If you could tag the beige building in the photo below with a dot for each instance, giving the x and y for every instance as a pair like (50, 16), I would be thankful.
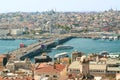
(50, 71)
(113, 66)
(104, 66)
(16, 32)
(16, 65)
(97, 67)
(76, 54)
(81, 65)
(4, 32)
(118, 76)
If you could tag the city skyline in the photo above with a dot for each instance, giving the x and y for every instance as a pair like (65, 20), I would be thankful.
(61, 5)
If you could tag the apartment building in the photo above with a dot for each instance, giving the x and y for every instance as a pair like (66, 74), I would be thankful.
(106, 66)
(50, 71)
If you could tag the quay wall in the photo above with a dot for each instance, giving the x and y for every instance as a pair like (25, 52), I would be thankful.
(48, 44)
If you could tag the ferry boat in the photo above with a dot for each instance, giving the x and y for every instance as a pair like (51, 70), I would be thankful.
(104, 53)
(63, 47)
(60, 55)
(43, 58)
(95, 38)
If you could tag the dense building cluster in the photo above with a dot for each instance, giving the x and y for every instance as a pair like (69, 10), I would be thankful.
(77, 67)
(51, 20)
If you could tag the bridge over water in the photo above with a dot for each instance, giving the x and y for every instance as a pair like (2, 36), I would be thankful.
(35, 49)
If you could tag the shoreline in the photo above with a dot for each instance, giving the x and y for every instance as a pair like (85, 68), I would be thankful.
(36, 45)
(18, 46)
(37, 40)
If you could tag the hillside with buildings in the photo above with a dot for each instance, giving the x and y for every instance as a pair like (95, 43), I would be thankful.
(51, 21)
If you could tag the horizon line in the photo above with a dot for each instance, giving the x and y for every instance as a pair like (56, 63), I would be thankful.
(59, 11)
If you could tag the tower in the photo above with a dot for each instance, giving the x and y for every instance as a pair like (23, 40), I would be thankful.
(84, 65)
(76, 54)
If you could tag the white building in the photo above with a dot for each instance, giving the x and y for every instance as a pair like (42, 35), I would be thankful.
(4, 32)
(16, 32)
(113, 55)
(81, 65)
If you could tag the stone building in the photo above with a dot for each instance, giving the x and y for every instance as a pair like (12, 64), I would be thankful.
(50, 71)
(16, 65)
(76, 54)
(80, 66)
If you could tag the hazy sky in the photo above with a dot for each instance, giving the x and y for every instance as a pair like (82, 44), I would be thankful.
(59, 5)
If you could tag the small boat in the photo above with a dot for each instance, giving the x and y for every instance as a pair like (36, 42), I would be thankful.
(95, 38)
(63, 47)
(61, 55)
(111, 38)
(22, 45)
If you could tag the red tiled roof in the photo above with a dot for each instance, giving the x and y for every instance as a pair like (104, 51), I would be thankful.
(118, 74)
(0, 78)
(1, 68)
(1, 59)
(42, 65)
(47, 68)
(59, 67)
(2, 56)
(5, 78)
(63, 78)
(65, 59)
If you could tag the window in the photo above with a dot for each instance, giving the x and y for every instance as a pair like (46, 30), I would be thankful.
(47, 75)
(55, 76)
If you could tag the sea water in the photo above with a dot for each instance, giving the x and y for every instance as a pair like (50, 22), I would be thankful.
(10, 45)
(84, 45)
(88, 46)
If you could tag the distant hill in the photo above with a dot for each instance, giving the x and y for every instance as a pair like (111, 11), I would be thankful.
(107, 20)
